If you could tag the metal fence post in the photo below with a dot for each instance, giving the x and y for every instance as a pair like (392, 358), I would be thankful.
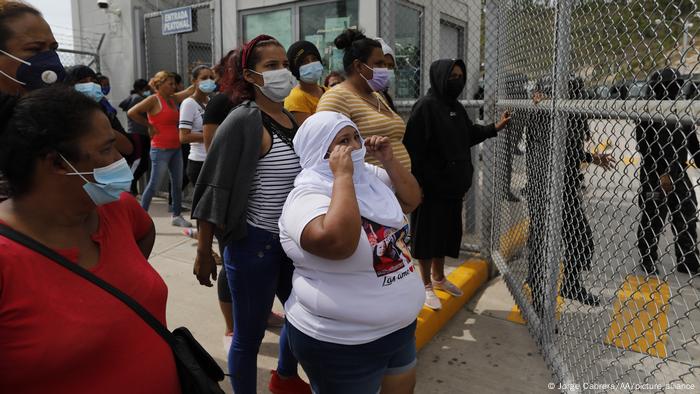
(387, 21)
(178, 54)
(557, 152)
(490, 85)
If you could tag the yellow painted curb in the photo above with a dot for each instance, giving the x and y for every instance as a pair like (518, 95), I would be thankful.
(514, 239)
(640, 322)
(602, 147)
(516, 316)
(469, 277)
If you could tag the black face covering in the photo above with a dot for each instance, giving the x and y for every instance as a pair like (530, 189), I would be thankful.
(454, 87)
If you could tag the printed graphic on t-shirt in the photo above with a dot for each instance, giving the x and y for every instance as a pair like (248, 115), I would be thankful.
(389, 250)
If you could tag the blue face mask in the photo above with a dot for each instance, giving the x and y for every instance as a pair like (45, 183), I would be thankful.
(311, 72)
(106, 90)
(146, 93)
(111, 181)
(38, 71)
(90, 89)
(207, 86)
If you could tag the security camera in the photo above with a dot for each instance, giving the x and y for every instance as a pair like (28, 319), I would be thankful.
(103, 4)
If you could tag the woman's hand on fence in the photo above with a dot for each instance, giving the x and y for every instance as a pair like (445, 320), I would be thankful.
(503, 122)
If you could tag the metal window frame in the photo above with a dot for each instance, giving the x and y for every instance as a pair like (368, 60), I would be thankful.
(461, 26)
(295, 9)
(421, 40)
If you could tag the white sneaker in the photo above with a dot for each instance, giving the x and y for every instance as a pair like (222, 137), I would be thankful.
(179, 221)
(431, 299)
(448, 287)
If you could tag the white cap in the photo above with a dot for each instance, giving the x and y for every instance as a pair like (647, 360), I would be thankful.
(386, 48)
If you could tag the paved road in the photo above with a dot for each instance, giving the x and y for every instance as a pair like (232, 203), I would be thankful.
(610, 204)
(479, 351)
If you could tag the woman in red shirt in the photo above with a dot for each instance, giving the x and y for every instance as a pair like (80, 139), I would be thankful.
(59, 333)
(163, 117)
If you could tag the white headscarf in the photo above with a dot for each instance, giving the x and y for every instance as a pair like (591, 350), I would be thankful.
(376, 200)
(386, 48)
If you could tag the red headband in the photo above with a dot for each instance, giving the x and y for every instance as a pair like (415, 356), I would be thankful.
(248, 48)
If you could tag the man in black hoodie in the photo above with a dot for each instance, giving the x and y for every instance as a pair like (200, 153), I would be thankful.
(439, 135)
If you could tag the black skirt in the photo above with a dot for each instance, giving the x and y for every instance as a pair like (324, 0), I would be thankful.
(436, 229)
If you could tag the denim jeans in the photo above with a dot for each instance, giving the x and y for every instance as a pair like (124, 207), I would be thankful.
(256, 268)
(162, 162)
(349, 369)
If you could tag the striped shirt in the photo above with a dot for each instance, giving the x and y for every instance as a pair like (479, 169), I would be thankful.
(368, 119)
(272, 182)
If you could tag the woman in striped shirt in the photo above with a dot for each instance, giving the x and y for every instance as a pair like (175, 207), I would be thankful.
(357, 97)
(248, 172)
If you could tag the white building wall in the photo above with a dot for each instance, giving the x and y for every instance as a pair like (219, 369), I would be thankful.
(117, 60)
(121, 52)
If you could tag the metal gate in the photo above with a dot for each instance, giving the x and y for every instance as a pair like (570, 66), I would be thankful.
(609, 292)
(189, 49)
(587, 202)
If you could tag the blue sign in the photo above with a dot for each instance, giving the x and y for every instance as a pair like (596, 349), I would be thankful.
(177, 20)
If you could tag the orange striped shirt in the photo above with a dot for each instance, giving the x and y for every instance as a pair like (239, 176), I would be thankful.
(368, 119)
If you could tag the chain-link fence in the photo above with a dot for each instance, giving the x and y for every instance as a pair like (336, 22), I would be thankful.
(71, 57)
(586, 202)
(83, 49)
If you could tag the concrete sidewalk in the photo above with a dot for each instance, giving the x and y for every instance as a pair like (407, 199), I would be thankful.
(479, 351)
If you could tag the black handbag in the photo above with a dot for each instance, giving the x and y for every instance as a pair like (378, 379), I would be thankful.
(197, 370)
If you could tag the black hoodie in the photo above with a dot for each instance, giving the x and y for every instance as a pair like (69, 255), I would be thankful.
(439, 135)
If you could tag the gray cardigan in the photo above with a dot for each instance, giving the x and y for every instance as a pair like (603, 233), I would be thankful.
(221, 193)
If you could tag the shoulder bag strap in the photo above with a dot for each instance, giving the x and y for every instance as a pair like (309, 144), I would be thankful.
(47, 252)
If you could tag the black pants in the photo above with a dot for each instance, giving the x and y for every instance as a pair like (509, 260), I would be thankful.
(536, 158)
(656, 206)
(145, 162)
(577, 239)
(513, 137)
(193, 169)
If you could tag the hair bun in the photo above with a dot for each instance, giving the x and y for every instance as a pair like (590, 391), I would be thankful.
(346, 38)
(7, 108)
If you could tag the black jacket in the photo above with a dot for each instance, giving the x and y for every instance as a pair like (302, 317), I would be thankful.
(439, 135)
(664, 148)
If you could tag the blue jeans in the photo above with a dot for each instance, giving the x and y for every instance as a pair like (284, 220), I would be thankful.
(162, 162)
(256, 268)
(349, 369)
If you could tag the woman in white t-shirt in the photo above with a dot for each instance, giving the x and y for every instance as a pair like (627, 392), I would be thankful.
(191, 111)
(351, 315)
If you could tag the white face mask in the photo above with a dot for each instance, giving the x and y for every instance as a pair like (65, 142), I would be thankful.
(277, 84)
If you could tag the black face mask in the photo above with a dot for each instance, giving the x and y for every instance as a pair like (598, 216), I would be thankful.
(454, 87)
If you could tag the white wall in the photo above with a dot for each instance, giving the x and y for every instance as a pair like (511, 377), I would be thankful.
(120, 58)
(117, 52)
